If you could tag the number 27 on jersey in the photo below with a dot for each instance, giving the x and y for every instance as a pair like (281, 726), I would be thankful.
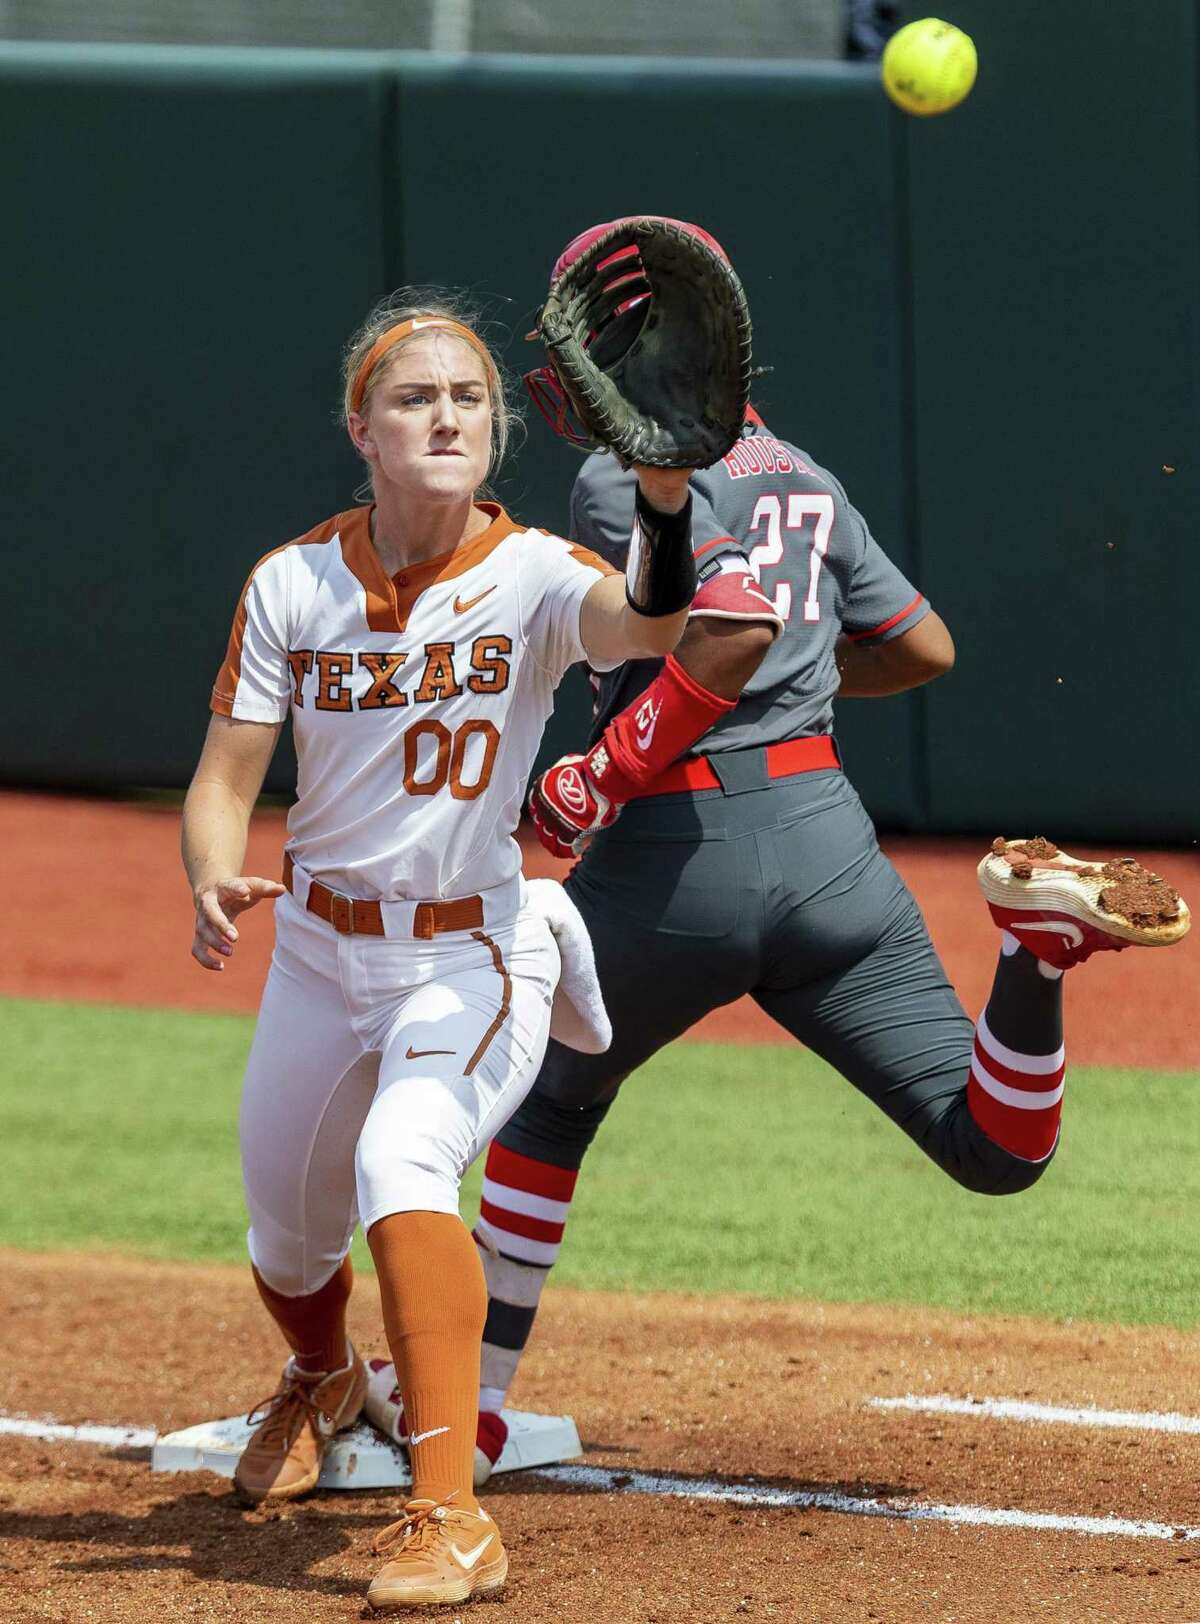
(801, 508)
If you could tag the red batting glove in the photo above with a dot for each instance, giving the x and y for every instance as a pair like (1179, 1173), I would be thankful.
(566, 807)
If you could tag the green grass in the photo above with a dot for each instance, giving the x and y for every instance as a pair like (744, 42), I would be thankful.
(722, 1169)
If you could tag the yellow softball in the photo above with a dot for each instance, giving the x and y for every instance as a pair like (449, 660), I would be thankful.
(928, 66)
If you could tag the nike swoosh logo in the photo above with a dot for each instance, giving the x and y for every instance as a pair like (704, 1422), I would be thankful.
(467, 1559)
(419, 1054)
(460, 608)
(646, 739)
(1056, 927)
(420, 1437)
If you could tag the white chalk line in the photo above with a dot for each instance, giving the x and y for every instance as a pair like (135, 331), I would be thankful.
(115, 1437)
(900, 1510)
(754, 1495)
(1014, 1409)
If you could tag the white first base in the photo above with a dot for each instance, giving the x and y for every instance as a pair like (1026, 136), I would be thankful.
(361, 1457)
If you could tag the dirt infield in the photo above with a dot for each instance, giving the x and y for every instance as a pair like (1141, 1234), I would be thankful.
(719, 1392)
(98, 910)
(717, 1387)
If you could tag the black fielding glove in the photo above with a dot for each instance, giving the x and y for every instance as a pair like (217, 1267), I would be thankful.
(648, 332)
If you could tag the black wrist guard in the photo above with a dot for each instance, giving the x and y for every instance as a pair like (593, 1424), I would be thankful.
(660, 574)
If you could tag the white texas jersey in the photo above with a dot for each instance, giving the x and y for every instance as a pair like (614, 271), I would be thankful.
(417, 701)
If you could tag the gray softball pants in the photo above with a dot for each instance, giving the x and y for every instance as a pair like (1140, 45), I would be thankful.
(776, 889)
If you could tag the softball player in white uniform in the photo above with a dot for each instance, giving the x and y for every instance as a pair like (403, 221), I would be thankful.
(416, 645)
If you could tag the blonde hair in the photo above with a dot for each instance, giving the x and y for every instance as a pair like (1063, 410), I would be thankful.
(405, 305)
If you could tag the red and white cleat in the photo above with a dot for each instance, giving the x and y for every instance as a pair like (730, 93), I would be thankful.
(1063, 909)
(384, 1409)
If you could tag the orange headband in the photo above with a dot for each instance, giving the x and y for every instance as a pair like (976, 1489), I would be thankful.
(404, 330)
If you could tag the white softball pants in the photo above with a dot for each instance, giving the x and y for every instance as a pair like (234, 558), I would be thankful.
(381, 1067)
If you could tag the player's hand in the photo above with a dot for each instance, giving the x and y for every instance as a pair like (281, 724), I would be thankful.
(666, 489)
(566, 807)
(217, 906)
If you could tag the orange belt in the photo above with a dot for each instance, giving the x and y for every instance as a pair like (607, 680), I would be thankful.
(351, 917)
(783, 761)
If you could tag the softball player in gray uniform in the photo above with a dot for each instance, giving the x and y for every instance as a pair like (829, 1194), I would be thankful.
(747, 865)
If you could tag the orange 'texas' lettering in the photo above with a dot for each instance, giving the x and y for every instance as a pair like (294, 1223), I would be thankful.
(301, 662)
(437, 680)
(332, 671)
(490, 673)
(383, 692)
(490, 667)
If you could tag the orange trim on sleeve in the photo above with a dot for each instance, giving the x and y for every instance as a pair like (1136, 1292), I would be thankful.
(878, 631)
(390, 601)
(593, 561)
(225, 687)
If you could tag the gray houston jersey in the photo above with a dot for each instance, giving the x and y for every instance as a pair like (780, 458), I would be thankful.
(810, 549)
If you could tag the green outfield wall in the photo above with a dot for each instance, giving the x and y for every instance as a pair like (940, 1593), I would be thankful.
(1054, 238)
(984, 323)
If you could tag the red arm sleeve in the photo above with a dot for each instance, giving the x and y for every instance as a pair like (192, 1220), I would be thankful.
(647, 736)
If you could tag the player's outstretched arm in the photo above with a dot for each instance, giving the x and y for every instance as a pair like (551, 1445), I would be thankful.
(918, 656)
(216, 817)
(643, 614)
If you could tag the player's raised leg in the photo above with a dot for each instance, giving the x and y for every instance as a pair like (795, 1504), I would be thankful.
(1063, 909)
(887, 1018)
(1054, 911)
(984, 1102)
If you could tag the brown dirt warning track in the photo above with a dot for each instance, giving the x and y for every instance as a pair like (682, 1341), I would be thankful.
(97, 909)
(716, 1395)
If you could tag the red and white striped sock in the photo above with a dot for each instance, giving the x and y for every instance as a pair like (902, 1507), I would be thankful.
(525, 1204)
(1016, 1098)
(521, 1221)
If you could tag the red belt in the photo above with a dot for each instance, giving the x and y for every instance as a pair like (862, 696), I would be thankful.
(783, 761)
(350, 917)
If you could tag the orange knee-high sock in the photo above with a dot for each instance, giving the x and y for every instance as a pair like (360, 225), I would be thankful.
(434, 1305)
(314, 1326)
